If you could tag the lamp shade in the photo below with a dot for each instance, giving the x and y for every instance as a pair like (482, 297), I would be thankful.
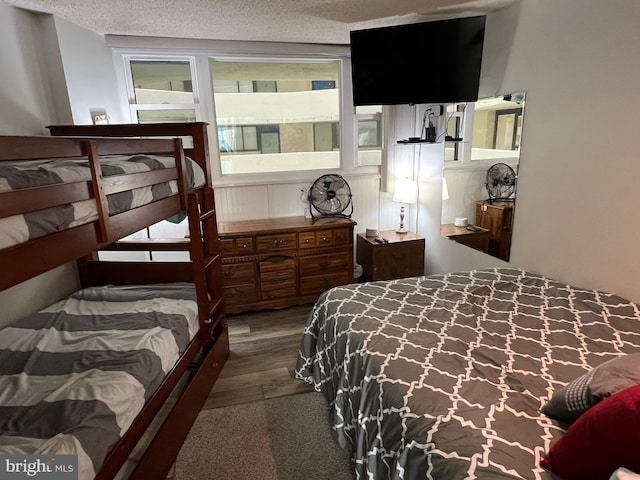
(406, 191)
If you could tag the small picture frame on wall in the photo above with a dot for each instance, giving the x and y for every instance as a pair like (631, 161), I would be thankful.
(99, 116)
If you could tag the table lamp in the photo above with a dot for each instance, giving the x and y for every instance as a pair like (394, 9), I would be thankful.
(406, 192)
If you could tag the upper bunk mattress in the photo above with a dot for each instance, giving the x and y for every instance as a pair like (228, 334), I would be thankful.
(74, 376)
(17, 229)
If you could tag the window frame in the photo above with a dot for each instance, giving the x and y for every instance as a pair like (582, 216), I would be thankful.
(204, 104)
(135, 107)
(463, 149)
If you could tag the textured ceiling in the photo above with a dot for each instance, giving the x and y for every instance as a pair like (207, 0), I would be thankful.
(300, 21)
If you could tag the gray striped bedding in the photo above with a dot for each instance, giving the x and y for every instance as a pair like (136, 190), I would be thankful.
(17, 229)
(74, 376)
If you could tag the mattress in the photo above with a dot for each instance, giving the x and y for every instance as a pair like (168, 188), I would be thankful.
(74, 376)
(443, 377)
(20, 228)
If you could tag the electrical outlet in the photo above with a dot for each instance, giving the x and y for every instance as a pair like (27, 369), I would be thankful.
(434, 111)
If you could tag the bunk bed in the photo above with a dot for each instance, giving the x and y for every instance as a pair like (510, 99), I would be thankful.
(497, 373)
(162, 341)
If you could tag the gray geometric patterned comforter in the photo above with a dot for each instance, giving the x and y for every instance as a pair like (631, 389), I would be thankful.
(23, 227)
(74, 376)
(442, 377)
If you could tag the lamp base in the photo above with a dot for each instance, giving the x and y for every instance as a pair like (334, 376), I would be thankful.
(402, 230)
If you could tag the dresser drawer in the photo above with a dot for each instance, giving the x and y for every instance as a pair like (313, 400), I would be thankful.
(324, 238)
(278, 289)
(240, 294)
(236, 246)
(320, 238)
(307, 239)
(342, 236)
(321, 264)
(277, 268)
(318, 284)
(271, 243)
(238, 273)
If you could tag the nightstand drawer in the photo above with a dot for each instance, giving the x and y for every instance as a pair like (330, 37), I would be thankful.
(270, 243)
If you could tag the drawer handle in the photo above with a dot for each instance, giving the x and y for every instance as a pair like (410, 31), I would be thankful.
(306, 240)
(324, 239)
(277, 243)
(244, 245)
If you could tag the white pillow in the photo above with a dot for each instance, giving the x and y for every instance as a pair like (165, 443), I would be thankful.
(624, 474)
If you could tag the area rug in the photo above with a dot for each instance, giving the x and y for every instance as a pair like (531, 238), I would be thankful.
(285, 438)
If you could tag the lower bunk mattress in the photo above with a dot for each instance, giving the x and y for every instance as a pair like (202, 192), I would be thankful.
(445, 376)
(74, 376)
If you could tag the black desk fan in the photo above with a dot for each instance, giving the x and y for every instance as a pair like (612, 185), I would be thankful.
(501, 183)
(330, 196)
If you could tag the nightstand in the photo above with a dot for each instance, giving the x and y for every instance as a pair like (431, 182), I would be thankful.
(497, 217)
(402, 256)
(478, 240)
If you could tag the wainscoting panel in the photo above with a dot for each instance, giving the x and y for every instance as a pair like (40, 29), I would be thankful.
(286, 200)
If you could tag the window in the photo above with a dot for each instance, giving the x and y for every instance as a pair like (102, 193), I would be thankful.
(161, 90)
(277, 115)
(369, 135)
(491, 128)
(497, 127)
(274, 117)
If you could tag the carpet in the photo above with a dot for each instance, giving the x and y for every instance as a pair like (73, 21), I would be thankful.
(285, 438)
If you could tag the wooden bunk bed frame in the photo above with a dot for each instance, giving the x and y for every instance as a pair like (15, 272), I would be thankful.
(200, 365)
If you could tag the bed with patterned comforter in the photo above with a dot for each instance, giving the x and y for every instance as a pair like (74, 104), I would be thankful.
(74, 376)
(20, 228)
(443, 377)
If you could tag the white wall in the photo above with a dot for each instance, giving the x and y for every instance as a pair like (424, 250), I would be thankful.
(578, 196)
(89, 72)
(26, 106)
(24, 92)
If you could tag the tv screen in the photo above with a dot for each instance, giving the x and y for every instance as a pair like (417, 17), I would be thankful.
(431, 62)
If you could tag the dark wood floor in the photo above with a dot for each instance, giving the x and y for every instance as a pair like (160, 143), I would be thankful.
(264, 347)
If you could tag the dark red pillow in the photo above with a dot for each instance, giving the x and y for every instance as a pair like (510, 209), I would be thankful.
(605, 437)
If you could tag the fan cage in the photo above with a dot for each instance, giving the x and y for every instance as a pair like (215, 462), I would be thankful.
(501, 183)
(328, 201)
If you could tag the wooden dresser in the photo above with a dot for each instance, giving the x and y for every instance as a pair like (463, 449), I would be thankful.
(278, 262)
(497, 217)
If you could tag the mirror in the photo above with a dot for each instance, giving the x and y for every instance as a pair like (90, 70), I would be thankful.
(482, 155)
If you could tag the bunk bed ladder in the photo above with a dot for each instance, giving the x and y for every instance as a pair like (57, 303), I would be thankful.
(205, 254)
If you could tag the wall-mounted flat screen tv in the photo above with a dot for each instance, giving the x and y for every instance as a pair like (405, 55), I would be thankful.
(430, 62)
